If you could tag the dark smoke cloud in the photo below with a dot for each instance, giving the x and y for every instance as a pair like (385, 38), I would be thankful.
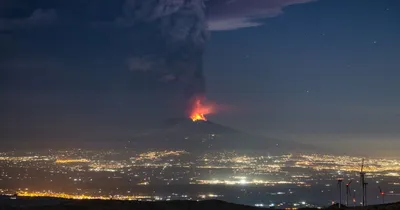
(183, 27)
(171, 33)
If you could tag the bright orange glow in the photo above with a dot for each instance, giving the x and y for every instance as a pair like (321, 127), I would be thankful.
(199, 111)
(198, 116)
(79, 197)
(72, 161)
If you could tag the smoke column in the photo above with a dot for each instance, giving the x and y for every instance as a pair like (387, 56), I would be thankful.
(183, 26)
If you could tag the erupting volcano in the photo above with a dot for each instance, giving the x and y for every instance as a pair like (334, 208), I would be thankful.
(199, 110)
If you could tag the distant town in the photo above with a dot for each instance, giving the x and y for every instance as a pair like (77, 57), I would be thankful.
(258, 179)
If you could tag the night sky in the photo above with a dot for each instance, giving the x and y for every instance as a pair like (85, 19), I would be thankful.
(323, 72)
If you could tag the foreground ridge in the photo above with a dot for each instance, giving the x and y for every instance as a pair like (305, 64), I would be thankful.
(38, 203)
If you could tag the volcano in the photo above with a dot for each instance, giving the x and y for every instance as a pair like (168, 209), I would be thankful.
(189, 135)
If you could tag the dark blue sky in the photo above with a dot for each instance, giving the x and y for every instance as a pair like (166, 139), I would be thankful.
(325, 71)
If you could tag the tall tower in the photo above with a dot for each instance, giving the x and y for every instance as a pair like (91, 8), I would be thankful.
(348, 192)
(340, 181)
(363, 184)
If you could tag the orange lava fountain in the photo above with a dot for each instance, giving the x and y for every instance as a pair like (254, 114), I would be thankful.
(199, 111)
(197, 117)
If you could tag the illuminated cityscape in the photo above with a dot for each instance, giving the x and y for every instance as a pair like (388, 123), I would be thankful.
(253, 179)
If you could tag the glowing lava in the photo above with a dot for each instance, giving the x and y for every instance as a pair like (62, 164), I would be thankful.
(197, 117)
(199, 110)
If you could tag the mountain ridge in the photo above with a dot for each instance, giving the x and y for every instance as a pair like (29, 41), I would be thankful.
(40, 203)
(183, 133)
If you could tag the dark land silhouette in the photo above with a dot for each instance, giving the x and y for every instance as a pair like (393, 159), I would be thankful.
(63, 204)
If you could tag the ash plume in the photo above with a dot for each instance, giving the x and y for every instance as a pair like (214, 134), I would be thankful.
(183, 28)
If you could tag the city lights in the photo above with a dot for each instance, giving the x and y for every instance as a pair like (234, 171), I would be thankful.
(102, 174)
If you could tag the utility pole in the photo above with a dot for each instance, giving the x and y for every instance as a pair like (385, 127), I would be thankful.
(382, 193)
(348, 192)
(340, 180)
(363, 184)
(365, 193)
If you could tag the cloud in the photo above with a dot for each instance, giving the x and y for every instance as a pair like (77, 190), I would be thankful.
(221, 14)
(156, 66)
(231, 24)
(236, 14)
(39, 17)
(42, 17)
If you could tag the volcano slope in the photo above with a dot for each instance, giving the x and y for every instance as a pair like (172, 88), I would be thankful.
(185, 134)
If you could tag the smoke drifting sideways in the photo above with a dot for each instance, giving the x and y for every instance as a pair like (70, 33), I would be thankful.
(183, 29)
